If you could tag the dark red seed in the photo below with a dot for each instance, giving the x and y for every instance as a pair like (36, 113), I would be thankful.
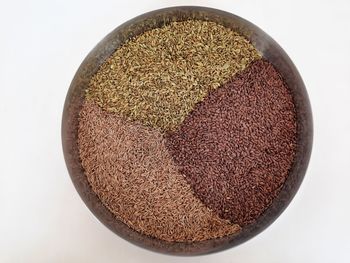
(237, 146)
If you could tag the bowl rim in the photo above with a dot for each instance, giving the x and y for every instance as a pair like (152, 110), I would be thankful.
(264, 44)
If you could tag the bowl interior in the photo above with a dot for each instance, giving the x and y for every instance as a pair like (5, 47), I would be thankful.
(268, 48)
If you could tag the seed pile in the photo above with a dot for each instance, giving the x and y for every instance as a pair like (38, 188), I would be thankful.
(158, 77)
(131, 171)
(186, 133)
(237, 146)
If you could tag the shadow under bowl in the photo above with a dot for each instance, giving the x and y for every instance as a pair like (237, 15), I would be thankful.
(270, 51)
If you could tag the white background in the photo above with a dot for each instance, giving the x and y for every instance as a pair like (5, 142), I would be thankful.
(42, 218)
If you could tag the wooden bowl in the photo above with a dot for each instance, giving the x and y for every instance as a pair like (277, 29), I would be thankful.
(136, 26)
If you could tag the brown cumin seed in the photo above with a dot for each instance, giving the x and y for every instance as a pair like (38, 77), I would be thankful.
(159, 76)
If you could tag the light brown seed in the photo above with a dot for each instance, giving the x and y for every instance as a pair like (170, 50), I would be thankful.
(131, 171)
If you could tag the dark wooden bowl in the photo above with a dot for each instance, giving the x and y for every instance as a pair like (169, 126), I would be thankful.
(269, 49)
